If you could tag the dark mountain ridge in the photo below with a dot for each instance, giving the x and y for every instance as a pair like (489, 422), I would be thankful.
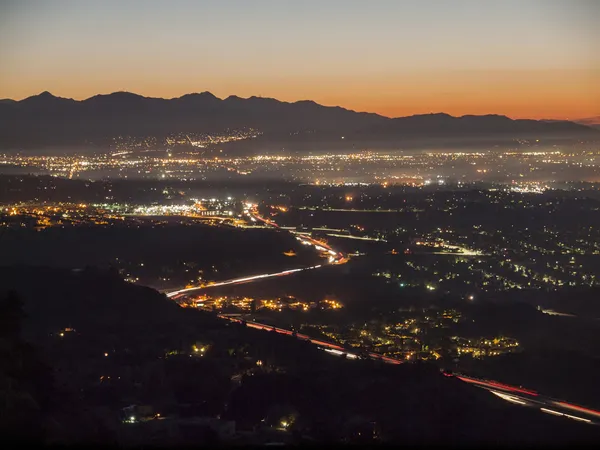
(50, 120)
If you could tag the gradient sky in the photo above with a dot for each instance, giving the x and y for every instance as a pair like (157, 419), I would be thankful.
(526, 58)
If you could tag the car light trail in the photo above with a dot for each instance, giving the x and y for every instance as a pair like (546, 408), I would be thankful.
(509, 398)
(578, 408)
(390, 360)
(557, 413)
(242, 280)
(550, 411)
(581, 419)
(334, 349)
(495, 384)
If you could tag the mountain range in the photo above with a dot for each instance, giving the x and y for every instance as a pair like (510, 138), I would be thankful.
(45, 119)
(590, 121)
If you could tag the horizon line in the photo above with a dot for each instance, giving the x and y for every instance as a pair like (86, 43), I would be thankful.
(290, 102)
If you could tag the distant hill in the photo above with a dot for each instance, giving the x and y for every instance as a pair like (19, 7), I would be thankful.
(590, 121)
(45, 119)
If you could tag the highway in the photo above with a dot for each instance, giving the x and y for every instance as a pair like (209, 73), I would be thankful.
(513, 394)
(329, 347)
(334, 258)
(240, 280)
(532, 399)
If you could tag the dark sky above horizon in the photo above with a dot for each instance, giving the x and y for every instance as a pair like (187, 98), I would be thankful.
(527, 58)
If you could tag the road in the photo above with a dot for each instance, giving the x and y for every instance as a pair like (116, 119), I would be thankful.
(334, 258)
(329, 347)
(242, 280)
(513, 394)
(516, 395)
(532, 399)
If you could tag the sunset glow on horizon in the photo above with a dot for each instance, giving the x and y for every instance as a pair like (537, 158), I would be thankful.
(527, 59)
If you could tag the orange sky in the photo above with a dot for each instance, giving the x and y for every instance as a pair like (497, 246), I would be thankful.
(520, 58)
(564, 94)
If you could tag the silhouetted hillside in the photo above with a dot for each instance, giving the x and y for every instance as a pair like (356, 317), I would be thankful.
(109, 344)
(49, 120)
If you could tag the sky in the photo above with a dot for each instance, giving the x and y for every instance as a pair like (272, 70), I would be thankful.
(526, 58)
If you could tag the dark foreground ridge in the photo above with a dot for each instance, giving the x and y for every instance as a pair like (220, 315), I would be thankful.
(89, 358)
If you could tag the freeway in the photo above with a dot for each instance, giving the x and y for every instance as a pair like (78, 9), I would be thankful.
(334, 258)
(513, 394)
(239, 280)
(353, 210)
(329, 347)
(361, 238)
(533, 399)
